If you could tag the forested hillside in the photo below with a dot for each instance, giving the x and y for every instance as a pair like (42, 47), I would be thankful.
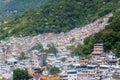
(59, 16)
(11, 8)
(110, 36)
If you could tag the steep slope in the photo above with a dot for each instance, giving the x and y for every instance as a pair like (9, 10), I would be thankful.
(60, 16)
(110, 36)
(11, 8)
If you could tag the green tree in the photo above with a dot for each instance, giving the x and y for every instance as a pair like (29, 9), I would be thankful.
(72, 40)
(54, 70)
(63, 59)
(19, 74)
(38, 47)
(52, 49)
(119, 62)
(72, 48)
(22, 56)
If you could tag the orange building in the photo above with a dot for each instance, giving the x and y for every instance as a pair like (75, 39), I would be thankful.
(49, 77)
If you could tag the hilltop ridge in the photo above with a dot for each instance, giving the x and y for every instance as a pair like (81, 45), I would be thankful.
(59, 16)
(12, 8)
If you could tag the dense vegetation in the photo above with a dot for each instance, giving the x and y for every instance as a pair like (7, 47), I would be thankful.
(54, 71)
(19, 74)
(11, 8)
(110, 36)
(59, 16)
